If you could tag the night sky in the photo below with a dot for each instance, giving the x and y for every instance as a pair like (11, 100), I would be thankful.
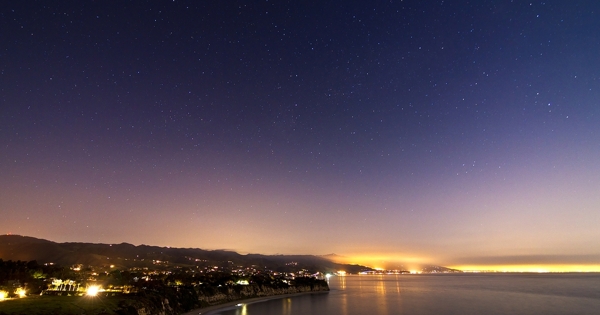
(460, 133)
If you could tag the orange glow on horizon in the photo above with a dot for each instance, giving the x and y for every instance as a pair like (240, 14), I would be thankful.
(528, 268)
(385, 262)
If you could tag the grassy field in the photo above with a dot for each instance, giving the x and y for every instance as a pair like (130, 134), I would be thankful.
(61, 305)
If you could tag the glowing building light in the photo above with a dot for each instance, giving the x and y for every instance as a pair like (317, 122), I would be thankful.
(3, 295)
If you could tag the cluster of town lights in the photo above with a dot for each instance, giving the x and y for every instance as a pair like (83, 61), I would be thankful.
(92, 290)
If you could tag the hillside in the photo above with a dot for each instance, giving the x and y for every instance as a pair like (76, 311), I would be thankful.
(25, 248)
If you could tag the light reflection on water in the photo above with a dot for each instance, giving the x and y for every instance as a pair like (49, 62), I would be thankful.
(381, 296)
(287, 306)
(494, 294)
(341, 282)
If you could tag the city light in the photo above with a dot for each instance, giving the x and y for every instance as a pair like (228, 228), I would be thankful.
(3, 295)
(92, 290)
(20, 292)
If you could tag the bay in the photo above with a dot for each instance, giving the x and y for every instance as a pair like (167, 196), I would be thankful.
(463, 294)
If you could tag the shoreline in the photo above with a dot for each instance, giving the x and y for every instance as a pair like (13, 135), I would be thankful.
(209, 309)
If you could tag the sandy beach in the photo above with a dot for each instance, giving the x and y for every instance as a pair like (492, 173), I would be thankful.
(233, 304)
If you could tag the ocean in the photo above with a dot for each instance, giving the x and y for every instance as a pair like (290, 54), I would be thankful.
(428, 294)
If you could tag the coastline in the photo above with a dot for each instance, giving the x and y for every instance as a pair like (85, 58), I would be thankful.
(209, 309)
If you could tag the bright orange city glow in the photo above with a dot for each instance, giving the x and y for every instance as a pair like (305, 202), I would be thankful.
(3, 295)
(383, 261)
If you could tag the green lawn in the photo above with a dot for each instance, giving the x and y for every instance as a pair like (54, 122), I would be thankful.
(61, 305)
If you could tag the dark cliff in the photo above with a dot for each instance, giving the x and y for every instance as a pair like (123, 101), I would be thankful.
(174, 301)
(252, 291)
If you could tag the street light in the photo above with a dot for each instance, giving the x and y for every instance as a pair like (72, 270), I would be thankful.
(92, 290)
(20, 292)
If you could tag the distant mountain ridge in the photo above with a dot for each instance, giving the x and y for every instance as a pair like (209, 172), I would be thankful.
(124, 255)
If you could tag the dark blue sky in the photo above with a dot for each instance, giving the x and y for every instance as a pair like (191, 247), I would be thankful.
(436, 131)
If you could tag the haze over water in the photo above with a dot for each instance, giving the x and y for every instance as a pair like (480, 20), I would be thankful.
(464, 294)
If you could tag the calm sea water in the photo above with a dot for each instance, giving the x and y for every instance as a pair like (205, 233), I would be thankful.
(463, 294)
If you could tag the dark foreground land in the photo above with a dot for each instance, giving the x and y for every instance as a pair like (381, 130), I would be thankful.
(160, 281)
(64, 305)
(160, 299)
(42, 305)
